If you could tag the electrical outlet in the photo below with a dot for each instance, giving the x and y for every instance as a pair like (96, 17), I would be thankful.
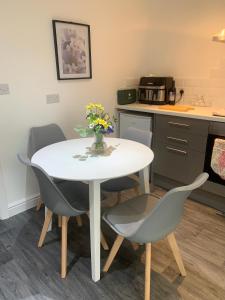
(4, 89)
(52, 98)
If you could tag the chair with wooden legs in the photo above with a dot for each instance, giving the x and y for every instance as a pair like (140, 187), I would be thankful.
(41, 137)
(144, 221)
(65, 199)
(125, 183)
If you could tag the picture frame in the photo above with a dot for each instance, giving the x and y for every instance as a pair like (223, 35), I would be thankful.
(72, 50)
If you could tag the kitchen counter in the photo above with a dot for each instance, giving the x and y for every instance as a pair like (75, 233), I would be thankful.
(180, 154)
(203, 113)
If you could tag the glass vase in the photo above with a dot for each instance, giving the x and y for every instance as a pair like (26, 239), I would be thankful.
(99, 145)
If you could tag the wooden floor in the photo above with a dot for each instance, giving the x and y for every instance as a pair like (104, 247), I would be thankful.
(27, 272)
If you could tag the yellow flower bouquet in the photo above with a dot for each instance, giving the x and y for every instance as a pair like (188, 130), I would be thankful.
(99, 123)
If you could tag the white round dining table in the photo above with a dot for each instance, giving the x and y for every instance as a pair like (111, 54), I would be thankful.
(74, 160)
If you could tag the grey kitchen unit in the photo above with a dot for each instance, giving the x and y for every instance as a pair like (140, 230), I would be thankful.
(180, 145)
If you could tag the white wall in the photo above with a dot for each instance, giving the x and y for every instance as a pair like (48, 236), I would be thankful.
(118, 35)
(129, 38)
(180, 45)
(3, 197)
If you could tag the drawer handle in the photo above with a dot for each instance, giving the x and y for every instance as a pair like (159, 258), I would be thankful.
(177, 140)
(176, 150)
(179, 124)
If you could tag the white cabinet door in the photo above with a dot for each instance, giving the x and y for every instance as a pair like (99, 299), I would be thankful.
(137, 121)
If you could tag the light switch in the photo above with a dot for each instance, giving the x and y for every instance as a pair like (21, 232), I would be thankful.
(4, 89)
(52, 98)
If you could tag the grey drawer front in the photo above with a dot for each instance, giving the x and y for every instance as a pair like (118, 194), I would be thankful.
(182, 132)
(187, 142)
(182, 125)
(177, 163)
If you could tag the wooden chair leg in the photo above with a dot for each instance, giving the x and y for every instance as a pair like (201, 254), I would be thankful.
(59, 221)
(103, 242)
(148, 272)
(113, 252)
(47, 221)
(64, 247)
(79, 221)
(136, 190)
(119, 197)
(39, 203)
(176, 252)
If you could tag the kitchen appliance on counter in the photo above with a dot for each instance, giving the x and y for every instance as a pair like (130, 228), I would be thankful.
(157, 90)
(126, 96)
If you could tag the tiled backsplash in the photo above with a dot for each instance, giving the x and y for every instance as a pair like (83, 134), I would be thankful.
(197, 91)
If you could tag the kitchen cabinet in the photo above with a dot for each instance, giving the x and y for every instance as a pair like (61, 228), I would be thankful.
(179, 145)
(180, 148)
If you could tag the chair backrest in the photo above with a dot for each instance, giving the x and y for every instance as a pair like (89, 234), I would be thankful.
(43, 136)
(50, 194)
(165, 216)
(138, 135)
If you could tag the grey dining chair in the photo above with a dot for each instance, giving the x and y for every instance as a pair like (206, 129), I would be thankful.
(40, 137)
(125, 183)
(43, 136)
(66, 199)
(142, 220)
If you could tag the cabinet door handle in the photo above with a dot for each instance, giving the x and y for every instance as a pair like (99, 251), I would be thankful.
(179, 124)
(176, 150)
(177, 140)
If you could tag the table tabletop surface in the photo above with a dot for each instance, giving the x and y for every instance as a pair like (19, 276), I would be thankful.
(73, 160)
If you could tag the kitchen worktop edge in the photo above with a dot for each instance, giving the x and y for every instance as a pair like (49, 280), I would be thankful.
(203, 113)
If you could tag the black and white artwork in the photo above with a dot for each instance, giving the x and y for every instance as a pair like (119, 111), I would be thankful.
(72, 50)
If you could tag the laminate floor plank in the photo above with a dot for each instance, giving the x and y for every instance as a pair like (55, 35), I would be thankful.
(27, 272)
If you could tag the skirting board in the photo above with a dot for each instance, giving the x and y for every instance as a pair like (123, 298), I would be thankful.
(22, 205)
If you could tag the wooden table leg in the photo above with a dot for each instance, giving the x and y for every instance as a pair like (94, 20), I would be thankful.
(144, 180)
(94, 202)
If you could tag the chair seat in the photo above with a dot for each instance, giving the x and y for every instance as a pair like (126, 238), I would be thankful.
(76, 193)
(119, 184)
(128, 216)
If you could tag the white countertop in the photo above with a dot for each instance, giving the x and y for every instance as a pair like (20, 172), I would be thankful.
(204, 113)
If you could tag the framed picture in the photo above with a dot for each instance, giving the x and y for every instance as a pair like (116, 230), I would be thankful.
(72, 50)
